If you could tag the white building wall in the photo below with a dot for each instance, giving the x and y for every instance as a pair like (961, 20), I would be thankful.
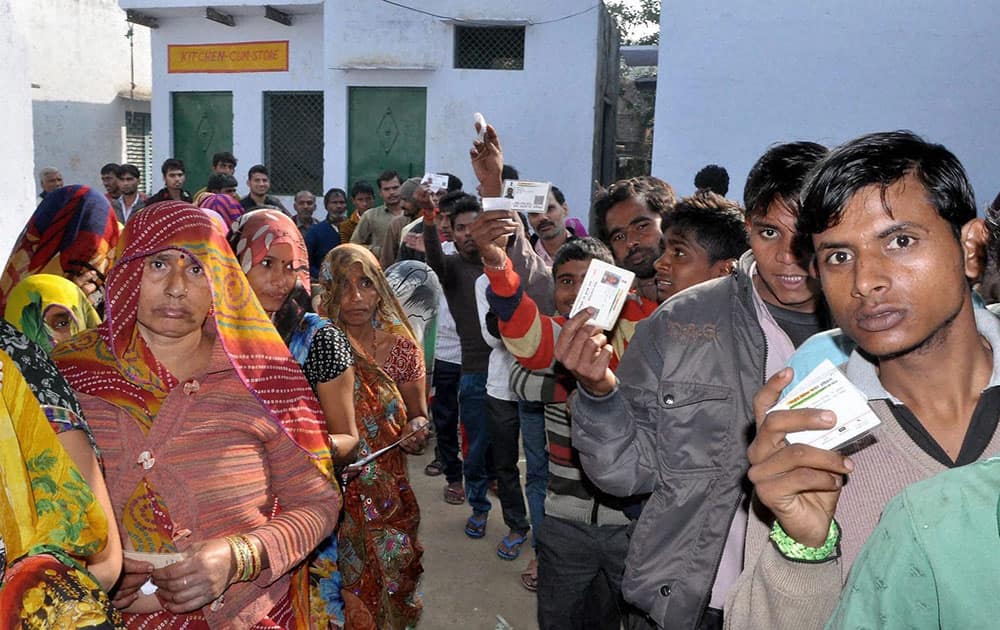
(544, 113)
(16, 188)
(736, 78)
(80, 62)
(305, 52)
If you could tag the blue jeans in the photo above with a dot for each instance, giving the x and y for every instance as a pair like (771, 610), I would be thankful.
(536, 458)
(472, 414)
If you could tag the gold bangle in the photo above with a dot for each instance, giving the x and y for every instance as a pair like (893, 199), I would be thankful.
(256, 562)
(333, 446)
(234, 548)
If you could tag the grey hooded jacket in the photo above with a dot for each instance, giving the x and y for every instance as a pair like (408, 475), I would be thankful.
(678, 425)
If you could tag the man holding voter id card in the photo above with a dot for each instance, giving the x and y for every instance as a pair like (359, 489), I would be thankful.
(673, 419)
(892, 221)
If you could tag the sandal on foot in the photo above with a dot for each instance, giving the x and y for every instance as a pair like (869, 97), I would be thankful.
(529, 577)
(454, 493)
(510, 545)
(433, 469)
(475, 527)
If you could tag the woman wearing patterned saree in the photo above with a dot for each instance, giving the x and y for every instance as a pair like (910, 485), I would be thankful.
(58, 549)
(272, 253)
(214, 447)
(379, 552)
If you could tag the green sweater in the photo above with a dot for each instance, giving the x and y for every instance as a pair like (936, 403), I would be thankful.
(932, 560)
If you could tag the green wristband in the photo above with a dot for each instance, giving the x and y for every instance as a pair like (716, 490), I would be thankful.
(796, 551)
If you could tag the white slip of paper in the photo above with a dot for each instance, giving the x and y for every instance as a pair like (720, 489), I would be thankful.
(826, 387)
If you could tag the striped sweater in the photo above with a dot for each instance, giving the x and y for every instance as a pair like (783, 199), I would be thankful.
(218, 463)
(530, 336)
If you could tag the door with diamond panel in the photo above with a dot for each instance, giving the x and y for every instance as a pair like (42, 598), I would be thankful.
(203, 126)
(386, 130)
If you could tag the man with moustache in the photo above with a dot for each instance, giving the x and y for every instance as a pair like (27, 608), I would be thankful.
(673, 419)
(892, 221)
(551, 231)
(375, 222)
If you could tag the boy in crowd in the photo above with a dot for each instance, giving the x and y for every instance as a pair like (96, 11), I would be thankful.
(892, 221)
(584, 535)
(673, 419)
(174, 175)
(223, 163)
(362, 198)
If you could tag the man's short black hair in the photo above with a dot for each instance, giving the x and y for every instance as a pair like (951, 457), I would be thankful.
(713, 177)
(361, 187)
(882, 159)
(446, 202)
(716, 223)
(330, 193)
(779, 175)
(128, 169)
(559, 196)
(454, 183)
(509, 171)
(172, 164)
(218, 181)
(224, 157)
(257, 168)
(459, 203)
(387, 176)
(111, 168)
(654, 193)
(587, 248)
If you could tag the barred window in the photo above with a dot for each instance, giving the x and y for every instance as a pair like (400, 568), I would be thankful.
(293, 141)
(489, 47)
(139, 146)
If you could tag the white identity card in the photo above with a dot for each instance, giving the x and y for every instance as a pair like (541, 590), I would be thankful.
(605, 288)
(158, 560)
(826, 387)
(435, 181)
(528, 196)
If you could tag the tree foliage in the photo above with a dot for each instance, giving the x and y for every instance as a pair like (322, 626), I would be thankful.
(638, 21)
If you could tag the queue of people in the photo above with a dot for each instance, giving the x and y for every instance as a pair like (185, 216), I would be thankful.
(205, 421)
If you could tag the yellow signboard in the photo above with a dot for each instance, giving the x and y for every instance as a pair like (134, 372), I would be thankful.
(236, 57)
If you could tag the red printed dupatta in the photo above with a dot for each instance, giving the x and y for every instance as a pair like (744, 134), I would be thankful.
(71, 230)
(112, 363)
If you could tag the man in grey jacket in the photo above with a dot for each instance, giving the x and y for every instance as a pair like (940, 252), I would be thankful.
(676, 420)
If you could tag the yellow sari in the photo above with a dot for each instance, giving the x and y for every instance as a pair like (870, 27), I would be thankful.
(50, 522)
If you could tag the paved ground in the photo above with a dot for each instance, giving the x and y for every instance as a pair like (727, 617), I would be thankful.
(465, 585)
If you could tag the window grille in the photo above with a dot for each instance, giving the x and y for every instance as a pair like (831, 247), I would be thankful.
(139, 146)
(293, 141)
(489, 47)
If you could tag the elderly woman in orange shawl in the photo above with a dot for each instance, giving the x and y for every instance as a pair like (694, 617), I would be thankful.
(214, 445)
(379, 552)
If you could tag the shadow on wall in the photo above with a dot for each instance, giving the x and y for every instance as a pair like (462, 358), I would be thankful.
(79, 138)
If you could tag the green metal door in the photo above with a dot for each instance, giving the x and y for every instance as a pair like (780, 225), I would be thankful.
(386, 130)
(203, 126)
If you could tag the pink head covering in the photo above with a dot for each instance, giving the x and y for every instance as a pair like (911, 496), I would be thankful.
(226, 206)
(256, 232)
